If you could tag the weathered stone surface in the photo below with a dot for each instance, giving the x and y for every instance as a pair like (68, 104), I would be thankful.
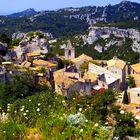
(18, 35)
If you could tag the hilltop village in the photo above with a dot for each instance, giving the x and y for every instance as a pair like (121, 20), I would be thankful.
(68, 74)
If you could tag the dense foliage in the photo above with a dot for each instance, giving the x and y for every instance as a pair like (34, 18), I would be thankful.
(52, 116)
(54, 23)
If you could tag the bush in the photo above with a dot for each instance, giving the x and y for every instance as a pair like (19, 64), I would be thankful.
(12, 131)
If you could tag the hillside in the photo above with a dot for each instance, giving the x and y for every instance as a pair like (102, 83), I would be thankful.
(104, 43)
(69, 21)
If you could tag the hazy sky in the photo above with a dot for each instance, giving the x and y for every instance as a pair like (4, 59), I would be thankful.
(10, 6)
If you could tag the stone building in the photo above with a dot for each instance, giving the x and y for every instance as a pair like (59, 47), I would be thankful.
(118, 67)
(135, 69)
(134, 94)
(69, 51)
(105, 78)
(69, 82)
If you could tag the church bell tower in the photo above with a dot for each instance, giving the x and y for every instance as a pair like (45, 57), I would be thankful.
(69, 51)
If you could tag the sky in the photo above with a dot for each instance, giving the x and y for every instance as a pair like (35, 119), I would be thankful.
(12, 6)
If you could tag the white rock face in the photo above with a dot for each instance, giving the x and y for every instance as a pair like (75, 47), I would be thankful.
(18, 35)
(96, 33)
(99, 48)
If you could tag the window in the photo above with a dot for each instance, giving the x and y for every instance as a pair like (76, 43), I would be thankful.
(69, 53)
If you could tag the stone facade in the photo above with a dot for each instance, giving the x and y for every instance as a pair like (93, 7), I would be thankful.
(69, 51)
(134, 94)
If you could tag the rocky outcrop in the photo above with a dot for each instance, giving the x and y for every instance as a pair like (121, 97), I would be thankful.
(105, 33)
(18, 35)
(32, 44)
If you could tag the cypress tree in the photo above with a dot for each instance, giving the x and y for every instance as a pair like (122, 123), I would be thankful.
(125, 98)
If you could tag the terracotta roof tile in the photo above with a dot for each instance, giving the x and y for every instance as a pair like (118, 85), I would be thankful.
(136, 67)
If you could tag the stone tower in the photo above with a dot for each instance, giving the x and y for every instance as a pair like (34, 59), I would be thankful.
(69, 51)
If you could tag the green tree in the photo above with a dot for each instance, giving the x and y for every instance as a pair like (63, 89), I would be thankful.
(131, 82)
(20, 86)
(125, 98)
(15, 42)
(4, 38)
(60, 64)
(125, 125)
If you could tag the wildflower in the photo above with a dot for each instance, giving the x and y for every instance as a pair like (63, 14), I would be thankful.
(73, 98)
(106, 123)
(24, 114)
(38, 104)
(27, 111)
(21, 109)
(15, 111)
(29, 100)
(4, 132)
(81, 130)
(80, 109)
(38, 110)
(122, 112)
(86, 120)
(96, 125)
(61, 118)
(23, 106)
(63, 101)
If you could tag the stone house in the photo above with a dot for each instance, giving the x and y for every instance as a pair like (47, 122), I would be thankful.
(118, 67)
(105, 78)
(81, 59)
(134, 95)
(69, 82)
(33, 55)
(135, 69)
(46, 64)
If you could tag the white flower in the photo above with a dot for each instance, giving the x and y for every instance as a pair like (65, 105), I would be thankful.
(63, 101)
(24, 114)
(29, 100)
(86, 120)
(38, 110)
(122, 112)
(96, 125)
(73, 98)
(80, 109)
(27, 111)
(21, 109)
(61, 118)
(38, 104)
(81, 130)
(106, 123)
(15, 111)
(77, 121)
